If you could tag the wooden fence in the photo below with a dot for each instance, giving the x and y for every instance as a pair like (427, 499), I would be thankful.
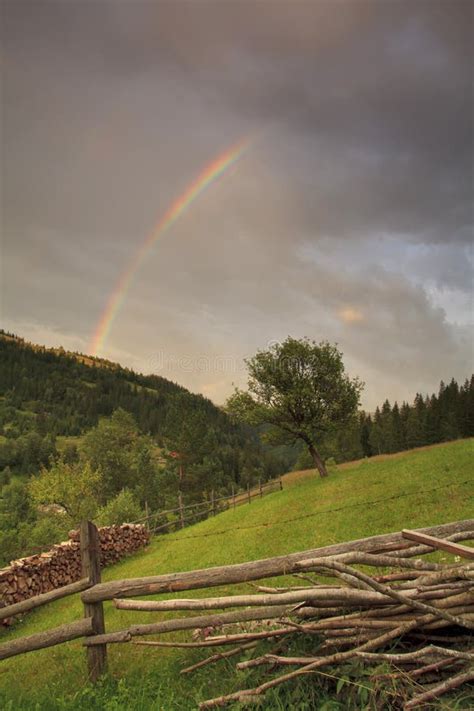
(187, 514)
(395, 549)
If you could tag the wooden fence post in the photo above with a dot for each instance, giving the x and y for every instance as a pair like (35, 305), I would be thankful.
(248, 492)
(260, 487)
(281, 484)
(90, 560)
(213, 503)
(233, 496)
(181, 512)
(147, 522)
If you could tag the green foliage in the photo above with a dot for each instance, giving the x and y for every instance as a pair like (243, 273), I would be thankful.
(5, 476)
(123, 508)
(47, 530)
(448, 415)
(304, 460)
(110, 448)
(55, 394)
(300, 389)
(75, 487)
(15, 505)
(46, 394)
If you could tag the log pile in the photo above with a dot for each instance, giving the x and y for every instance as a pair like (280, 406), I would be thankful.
(412, 616)
(37, 574)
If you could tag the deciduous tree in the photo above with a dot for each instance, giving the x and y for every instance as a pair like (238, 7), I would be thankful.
(299, 388)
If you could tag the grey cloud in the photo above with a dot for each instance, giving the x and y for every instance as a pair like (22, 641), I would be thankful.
(357, 192)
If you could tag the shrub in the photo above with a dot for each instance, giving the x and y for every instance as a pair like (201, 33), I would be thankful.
(123, 508)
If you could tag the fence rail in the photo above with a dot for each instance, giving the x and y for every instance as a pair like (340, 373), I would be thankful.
(206, 508)
(385, 548)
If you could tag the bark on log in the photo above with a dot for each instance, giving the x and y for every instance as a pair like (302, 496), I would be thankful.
(255, 570)
(32, 602)
(437, 543)
(58, 635)
(186, 623)
(435, 692)
(340, 595)
(90, 559)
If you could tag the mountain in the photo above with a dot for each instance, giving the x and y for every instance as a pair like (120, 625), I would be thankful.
(49, 393)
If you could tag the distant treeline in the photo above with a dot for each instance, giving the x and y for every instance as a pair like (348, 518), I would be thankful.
(431, 419)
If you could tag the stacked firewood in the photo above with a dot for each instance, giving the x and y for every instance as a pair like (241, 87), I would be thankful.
(413, 616)
(36, 574)
(118, 541)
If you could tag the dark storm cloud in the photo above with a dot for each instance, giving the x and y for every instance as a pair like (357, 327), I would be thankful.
(356, 198)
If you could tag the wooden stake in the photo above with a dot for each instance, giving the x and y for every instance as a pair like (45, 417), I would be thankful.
(248, 492)
(437, 543)
(181, 511)
(90, 558)
(260, 487)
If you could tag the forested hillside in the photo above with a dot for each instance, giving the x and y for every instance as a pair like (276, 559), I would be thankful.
(46, 394)
(100, 440)
(84, 438)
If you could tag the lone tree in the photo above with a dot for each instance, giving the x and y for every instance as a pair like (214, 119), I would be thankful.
(300, 390)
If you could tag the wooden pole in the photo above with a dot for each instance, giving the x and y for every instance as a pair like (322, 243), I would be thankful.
(213, 503)
(233, 496)
(266, 568)
(260, 487)
(281, 484)
(147, 522)
(18, 607)
(248, 492)
(454, 548)
(90, 559)
(48, 638)
(181, 512)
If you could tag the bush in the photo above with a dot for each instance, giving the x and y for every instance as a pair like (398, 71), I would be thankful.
(47, 530)
(123, 508)
(304, 461)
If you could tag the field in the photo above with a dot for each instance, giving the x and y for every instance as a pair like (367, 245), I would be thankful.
(413, 489)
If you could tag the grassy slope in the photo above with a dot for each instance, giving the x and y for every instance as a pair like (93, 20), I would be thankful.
(309, 512)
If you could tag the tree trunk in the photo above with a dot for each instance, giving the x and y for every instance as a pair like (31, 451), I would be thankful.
(318, 462)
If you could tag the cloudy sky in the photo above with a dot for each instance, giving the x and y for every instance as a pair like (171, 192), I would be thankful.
(349, 218)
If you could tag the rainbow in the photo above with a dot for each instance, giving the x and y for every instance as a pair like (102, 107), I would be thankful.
(209, 175)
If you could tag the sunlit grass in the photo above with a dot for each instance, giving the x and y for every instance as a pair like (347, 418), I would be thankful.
(414, 489)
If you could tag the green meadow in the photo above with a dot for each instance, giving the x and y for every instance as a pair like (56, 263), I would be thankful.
(413, 489)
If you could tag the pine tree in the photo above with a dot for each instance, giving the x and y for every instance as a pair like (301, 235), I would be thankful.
(376, 433)
(416, 424)
(365, 427)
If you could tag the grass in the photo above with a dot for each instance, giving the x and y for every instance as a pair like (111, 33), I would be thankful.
(414, 489)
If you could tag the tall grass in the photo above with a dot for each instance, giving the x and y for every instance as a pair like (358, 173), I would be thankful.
(419, 488)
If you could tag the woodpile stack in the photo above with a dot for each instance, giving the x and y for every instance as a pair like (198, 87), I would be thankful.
(117, 541)
(413, 616)
(36, 574)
